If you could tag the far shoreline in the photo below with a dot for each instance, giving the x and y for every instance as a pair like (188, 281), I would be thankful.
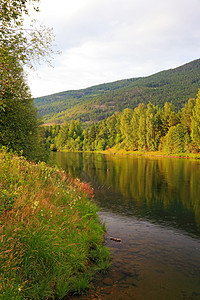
(113, 151)
(152, 154)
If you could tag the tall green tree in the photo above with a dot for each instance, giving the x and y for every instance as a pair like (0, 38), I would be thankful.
(111, 123)
(101, 136)
(75, 136)
(19, 46)
(142, 128)
(186, 114)
(153, 127)
(177, 139)
(195, 123)
(150, 125)
(134, 127)
(169, 117)
(92, 137)
(126, 127)
(62, 138)
(18, 123)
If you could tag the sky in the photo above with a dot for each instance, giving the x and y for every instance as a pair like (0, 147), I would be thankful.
(107, 40)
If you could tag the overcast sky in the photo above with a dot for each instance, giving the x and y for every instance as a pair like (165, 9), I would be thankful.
(108, 40)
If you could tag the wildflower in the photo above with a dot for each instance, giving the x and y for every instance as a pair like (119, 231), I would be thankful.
(35, 204)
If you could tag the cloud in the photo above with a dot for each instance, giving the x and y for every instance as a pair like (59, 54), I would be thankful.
(107, 40)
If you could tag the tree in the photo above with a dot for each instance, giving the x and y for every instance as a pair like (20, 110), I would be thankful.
(142, 143)
(186, 114)
(126, 127)
(176, 140)
(18, 123)
(11, 10)
(19, 47)
(85, 141)
(153, 127)
(61, 139)
(75, 136)
(195, 123)
(101, 136)
(150, 125)
(27, 45)
(111, 123)
(134, 127)
(169, 117)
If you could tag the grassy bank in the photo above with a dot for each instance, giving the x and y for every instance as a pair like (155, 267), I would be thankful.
(153, 153)
(51, 238)
(143, 153)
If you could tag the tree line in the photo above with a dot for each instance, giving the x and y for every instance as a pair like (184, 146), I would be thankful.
(145, 128)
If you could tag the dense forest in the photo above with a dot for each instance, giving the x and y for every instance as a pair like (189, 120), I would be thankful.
(96, 103)
(145, 128)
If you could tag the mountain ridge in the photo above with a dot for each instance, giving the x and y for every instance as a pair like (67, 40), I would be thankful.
(97, 102)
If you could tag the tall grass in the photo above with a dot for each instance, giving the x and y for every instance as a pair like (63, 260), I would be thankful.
(51, 237)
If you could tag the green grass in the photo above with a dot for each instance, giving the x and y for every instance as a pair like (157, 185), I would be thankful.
(51, 237)
(152, 153)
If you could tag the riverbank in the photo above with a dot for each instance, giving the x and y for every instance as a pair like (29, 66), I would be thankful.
(114, 151)
(152, 153)
(51, 237)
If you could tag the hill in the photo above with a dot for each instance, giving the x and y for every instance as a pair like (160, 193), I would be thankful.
(98, 102)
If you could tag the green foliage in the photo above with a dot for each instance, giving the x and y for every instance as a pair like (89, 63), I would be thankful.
(186, 114)
(27, 45)
(153, 127)
(70, 137)
(145, 129)
(96, 103)
(176, 140)
(142, 129)
(19, 47)
(195, 123)
(49, 231)
(169, 117)
(12, 10)
(18, 122)
(62, 137)
(126, 127)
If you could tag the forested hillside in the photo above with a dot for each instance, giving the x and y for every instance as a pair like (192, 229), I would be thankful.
(98, 102)
(146, 128)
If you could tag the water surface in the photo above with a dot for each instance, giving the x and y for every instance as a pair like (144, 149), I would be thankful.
(153, 206)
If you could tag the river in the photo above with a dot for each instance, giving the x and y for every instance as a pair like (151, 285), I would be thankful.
(153, 206)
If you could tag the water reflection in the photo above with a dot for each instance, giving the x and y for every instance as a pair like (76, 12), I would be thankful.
(163, 190)
(153, 206)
